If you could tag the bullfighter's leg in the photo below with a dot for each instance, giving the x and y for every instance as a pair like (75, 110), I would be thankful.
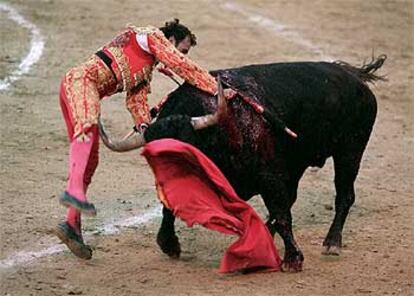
(83, 160)
(346, 165)
(166, 238)
(279, 197)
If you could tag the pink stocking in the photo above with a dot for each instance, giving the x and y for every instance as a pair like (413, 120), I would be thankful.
(73, 218)
(78, 161)
(79, 158)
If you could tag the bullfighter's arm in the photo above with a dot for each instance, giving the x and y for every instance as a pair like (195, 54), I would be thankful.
(166, 53)
(137, 104)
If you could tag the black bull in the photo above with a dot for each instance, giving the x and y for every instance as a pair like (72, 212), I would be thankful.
(328, 105)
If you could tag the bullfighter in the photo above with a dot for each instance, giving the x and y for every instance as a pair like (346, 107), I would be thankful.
(123, 65)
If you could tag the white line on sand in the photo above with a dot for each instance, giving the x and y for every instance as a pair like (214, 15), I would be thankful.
(113, 228)
(276, 27)
(27, 257)
(36, 46)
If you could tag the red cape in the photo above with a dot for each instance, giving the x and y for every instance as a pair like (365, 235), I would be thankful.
(196, 191)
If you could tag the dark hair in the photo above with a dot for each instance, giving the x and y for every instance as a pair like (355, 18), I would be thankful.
(179, 31)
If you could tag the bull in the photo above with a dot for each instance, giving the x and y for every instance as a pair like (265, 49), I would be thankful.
(328, 104)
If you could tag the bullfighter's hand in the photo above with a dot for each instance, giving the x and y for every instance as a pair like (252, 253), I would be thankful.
(140, 128)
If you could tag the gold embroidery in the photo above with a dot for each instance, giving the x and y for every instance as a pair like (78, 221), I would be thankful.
(106, 82)
(143, 30)
(84, 86)
(128, 80)
(145, 75)
(138, 78)
(167, 54)
(123, 65)
(120, 40)
(137, 104)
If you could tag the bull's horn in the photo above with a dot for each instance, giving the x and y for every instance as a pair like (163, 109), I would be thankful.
(212, 119)
(127, 144)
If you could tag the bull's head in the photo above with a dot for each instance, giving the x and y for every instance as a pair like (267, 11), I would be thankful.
(172, 127)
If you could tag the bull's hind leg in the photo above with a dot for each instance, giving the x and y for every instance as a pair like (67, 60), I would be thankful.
(167, 240)
(346, 164)
(279, 197)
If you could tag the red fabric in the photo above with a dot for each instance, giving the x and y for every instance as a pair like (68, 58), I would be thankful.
(134, 63)
(196, 191)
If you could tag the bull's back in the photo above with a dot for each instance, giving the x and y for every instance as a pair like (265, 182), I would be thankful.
(322, 102)
(305, 90)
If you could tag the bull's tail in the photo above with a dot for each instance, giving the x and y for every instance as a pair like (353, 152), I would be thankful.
(367, 71)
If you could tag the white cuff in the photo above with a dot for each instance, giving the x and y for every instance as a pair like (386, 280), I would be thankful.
(142, 40)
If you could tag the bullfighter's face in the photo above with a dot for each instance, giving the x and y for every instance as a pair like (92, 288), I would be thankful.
(183, 46)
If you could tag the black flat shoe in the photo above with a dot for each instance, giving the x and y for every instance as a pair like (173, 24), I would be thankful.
(73, 241)
(82, 206)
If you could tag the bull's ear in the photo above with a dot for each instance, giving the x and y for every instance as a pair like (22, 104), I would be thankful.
(212, 119)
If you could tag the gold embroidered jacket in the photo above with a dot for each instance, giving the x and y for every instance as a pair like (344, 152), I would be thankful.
(135, 52)
(133, 55)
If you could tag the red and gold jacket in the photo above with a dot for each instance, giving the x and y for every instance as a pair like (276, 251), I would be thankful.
(135, 53)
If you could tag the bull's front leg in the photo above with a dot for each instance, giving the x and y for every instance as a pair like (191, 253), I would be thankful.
(281, 222)
(166, 238)
(279, 197)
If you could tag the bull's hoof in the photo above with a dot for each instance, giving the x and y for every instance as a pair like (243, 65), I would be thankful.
(169, 245)
(292, 266)
(332, 245)
(331, 251)
(292, 263)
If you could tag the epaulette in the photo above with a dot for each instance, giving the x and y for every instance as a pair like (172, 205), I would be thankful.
(143, 30)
